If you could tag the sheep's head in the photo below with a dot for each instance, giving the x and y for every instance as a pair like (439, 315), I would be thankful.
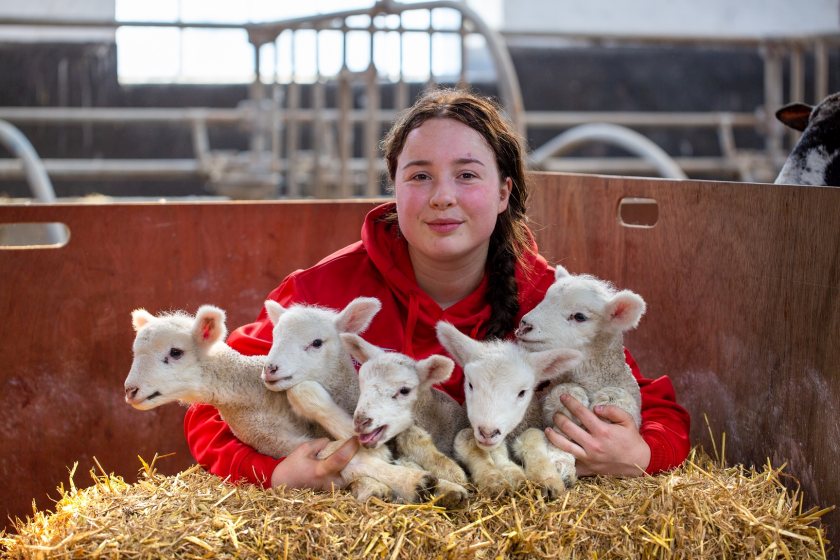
(306, 343)
(579, 311)
(168, 350)
(389, 385)
(500, 379)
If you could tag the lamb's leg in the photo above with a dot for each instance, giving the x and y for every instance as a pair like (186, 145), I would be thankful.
(361, 487)
(492, 470)
(552, 403)
(408, 485)
(533, 449)
(310, 400)
(416, 444)
(448, 495)
(619, 397)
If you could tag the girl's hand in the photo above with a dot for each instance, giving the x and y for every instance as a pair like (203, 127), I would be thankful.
(607, 443)
(303, 469)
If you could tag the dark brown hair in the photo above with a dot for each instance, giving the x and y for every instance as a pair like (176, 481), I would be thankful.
(510, 239)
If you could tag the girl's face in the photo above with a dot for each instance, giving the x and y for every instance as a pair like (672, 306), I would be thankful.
(448, 192)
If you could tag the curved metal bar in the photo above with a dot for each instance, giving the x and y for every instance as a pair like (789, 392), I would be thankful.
(36, 174)
(626, 138)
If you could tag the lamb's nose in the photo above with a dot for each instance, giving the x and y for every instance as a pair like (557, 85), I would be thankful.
(361, 422)
(131, 391)
(524, 328)
(269, 370)
(488, 434)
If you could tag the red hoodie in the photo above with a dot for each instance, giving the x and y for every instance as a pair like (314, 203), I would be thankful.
(379, 266)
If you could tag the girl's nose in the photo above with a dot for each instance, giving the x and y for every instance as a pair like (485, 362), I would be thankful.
(443, 195)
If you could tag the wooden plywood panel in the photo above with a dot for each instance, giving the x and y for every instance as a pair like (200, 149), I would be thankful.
(743, 289)
(65, 313)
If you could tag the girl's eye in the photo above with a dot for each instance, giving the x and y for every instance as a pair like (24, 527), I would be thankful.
(521, 394)
(579, 317)
(468, 175)
(175, 353)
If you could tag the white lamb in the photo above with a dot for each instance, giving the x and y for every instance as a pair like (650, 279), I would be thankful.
(587, 314)
(500, 380)
(178, 357)
(399, 404)
(308, 362)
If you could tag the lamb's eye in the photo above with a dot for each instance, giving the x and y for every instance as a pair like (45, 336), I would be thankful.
(404, 391)
(579, 317)
(175, 353)
(317, 343)
(469, 385)
(521, 394)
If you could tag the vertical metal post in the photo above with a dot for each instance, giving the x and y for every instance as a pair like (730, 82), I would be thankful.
(292, 123)
(773, 95)
(820, 70)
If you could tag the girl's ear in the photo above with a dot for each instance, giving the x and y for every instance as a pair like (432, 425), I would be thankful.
(504, 194)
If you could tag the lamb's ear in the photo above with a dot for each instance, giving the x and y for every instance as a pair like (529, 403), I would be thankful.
(358, 314)
(548, 364)
(434, 369)
(274, 310)
(140, 318)
(560, 272)
(795, 115)
(358, 347)
(209, 327)
(624, 310)
(461, 347)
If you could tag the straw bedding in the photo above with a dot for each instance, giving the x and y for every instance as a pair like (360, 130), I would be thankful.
(702, 510)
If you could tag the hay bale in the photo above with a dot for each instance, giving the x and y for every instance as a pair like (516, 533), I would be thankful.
(701, 510)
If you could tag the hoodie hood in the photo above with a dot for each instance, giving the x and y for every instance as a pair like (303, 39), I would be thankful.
(388, 252)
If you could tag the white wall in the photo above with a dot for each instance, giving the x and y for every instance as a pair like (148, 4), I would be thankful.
(98, 10)
(716, 18)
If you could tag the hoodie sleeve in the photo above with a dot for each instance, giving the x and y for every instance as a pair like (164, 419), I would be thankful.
(211, 441)
(665, 424)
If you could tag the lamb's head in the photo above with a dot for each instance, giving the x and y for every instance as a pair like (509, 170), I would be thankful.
(579, 311)
(168, 352)
(815, 159)
(306, 343)
(500, 379)
(389, 386)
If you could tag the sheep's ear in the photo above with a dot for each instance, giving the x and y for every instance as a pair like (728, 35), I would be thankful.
(274, 310)
(461, 347)
(140, 318)
(624, 310)
(795, 115)
(434, 369)
(358, 347)
(560, 272)
(358, 314)
(548, 364)
(209, 326)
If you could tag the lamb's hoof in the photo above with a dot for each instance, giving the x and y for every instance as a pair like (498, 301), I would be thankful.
(451, 496)
(426, 488)
(553, 488)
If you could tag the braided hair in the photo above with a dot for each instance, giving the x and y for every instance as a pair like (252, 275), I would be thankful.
(510, 239)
